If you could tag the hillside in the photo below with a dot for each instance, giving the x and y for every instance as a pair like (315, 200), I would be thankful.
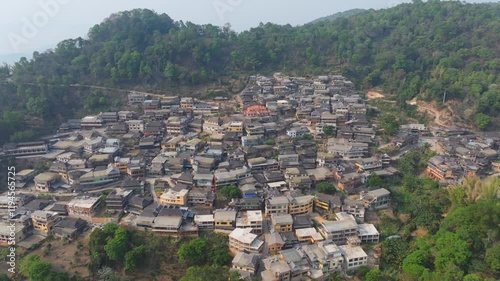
(339, 15)
(416, 49)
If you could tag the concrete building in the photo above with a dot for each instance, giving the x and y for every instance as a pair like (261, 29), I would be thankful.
(241, 239)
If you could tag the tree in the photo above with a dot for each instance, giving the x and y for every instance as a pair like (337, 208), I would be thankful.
(212, 273)
(117, 247)
(134, 257)
(36, 270)
(194, 252)
(231, 192)
(482, 121)
(472, 277)
(395, 251)
(373, 275)
(389, 123)
(493, 258)
(325, 187)
(375, 181)
(329, 130)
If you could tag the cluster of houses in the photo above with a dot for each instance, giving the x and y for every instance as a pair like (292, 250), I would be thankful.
(464, 154)
(163, 160)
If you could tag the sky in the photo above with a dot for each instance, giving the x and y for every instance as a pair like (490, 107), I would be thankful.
(37, 25)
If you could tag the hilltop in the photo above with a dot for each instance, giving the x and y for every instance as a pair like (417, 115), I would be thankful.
(411, 50)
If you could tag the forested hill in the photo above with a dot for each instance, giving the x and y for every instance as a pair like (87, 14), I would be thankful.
(339, 15)
(411, 49)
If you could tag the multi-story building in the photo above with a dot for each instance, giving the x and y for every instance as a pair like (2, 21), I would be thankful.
(339, 231)
(232, 177)
(172, 197)
(91, 122)
(25, 149)
(376, 199)
(301, 205)
(282, 222)
(235, 126)
(277, 205)
(136, 98)
(241, 239)
(176, 125)
(83, 206)
(368, 233)
(116, 201)
(262, 164)
(225, 219)
(99, 178)
(354, 256)
(46, 182)
(204, 221)
(136, 125)
(443, 168)
(251, 220)
(43, 221)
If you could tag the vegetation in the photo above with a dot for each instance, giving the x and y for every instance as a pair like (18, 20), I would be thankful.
(37, 270)
(415, 49)
(325, 187)
(231, 191)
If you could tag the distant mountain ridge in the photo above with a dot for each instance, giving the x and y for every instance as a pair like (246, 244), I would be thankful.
(344, 14)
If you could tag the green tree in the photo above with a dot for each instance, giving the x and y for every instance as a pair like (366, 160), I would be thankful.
(231, 192)
(134, 257)
(117, 247)
(389, 123)
(482, 121)
(212, 273)
(374, 275)
(493, 258)
(375, 181)
(194, 252)
(329, 130)
(325, 187)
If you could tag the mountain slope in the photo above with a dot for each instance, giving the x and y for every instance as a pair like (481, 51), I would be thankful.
(416, 49)
(339, 15)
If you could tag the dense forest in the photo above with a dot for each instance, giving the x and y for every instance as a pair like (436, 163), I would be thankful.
(414, 49)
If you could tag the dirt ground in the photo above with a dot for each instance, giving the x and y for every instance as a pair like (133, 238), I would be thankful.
(419, 232)
(66, 257)
(374, 95)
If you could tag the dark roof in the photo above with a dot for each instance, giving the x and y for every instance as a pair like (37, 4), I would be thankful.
(74, 223)
(38, 204)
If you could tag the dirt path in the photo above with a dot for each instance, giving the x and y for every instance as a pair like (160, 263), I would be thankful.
(374, 95)
(423, 107)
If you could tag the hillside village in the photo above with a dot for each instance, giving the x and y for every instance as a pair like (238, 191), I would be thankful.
(286, 177)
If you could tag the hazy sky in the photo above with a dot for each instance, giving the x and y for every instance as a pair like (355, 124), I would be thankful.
(36, 25)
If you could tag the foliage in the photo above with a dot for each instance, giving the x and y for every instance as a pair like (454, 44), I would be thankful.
(231, 191)
(325, 187)
(329, 130)
(134, 257)
(374, 275)
(375, 181)
(212, 273)
(394, 252)
(117, 247)
(482, 121)
(493, 258)
(389, 123)
(37, 270)
(194, 252)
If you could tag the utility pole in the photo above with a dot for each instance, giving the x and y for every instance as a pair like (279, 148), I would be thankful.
(444, 97)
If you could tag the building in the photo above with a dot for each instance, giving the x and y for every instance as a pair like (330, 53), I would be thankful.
(136, 98)
(241, 239)
(368, 233)
(84, 206)
(204, 221)
(246, 264)
(172, 197)
(12, 232)
(235, 126)
(339, 231)
(136, 125)
(69, 228)
(225, 219)
(116, 201)
(43, 221)
(376, 199)
(443, 168)
(324, 258)
(46, 182)
(100, 177)
(277, 205)
(301, 205)
(276, 270)
(25, 149)
(91, 122)
(256, 111)
(355, 208)
(326, 202)
(282, 222)
(262, 164)
(354, 256)
(251, 220)
(309, 234)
